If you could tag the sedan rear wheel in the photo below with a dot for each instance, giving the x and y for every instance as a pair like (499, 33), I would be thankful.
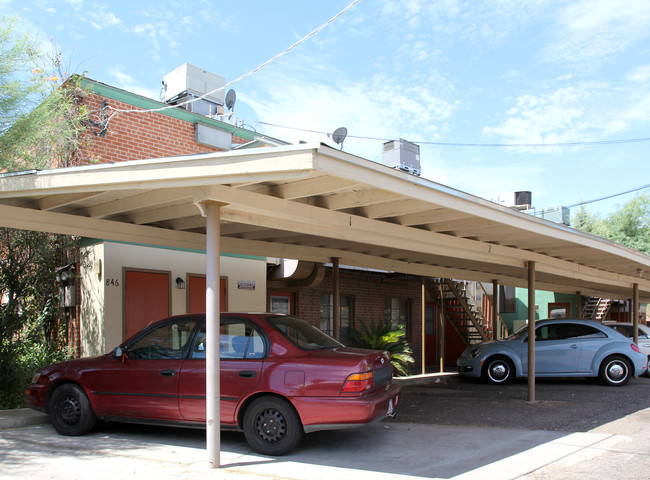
(498, 370)
(615, 371)
(70, 411)
(272, 426)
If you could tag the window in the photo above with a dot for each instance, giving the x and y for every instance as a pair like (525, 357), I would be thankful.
(396, 311)
(237, 340)
(567, 331)
(507, 299)
(327, 314)
(559, 310)
(167, 341)
(280, 304)
(302, 334)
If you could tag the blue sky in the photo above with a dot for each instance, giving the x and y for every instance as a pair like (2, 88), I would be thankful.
(455, 72)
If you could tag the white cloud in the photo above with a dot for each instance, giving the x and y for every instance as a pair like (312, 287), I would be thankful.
(593, 30)
(103, 19)
(378, 107)
(580, 112)
(640, 74)
(127, 82)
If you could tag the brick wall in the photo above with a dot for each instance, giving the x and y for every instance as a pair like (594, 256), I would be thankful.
(137, 136)
(368, 291)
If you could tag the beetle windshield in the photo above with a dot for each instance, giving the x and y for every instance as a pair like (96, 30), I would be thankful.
(302, 334)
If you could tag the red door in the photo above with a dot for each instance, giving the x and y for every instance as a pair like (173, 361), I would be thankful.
(146, 299)
(196, 294)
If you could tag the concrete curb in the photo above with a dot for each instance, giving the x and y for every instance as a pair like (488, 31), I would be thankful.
(22, 417)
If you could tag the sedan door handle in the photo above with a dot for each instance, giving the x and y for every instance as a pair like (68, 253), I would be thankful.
(168, 373)
(574, 346)
(247, 374)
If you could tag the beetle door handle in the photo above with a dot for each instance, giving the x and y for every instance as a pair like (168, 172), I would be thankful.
(168, 373)
(247, 374)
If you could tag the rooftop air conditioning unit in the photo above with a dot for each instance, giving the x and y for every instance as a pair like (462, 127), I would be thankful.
(188, 82)
(402, 155)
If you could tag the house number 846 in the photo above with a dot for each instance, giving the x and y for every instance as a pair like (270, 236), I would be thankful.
(112, 282)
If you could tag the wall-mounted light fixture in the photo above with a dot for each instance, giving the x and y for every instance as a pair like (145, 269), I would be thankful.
(180, 283)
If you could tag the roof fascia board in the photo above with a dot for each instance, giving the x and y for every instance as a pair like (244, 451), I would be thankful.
(272, 163)
(335, 162)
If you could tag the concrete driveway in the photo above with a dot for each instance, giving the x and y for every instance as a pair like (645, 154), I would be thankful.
(617, 449)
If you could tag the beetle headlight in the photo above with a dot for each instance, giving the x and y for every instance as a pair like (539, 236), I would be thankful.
(474, 353)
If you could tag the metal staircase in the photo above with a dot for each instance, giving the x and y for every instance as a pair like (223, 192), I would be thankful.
(460, 310)
(596, 308)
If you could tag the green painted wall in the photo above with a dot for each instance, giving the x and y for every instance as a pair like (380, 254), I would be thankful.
(542, 300)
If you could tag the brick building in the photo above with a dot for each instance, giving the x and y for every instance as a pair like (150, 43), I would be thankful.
(119, 132)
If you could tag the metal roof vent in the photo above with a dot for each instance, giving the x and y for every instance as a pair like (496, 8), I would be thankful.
(402, 155)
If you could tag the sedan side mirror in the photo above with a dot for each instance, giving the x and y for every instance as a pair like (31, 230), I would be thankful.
(120, 353)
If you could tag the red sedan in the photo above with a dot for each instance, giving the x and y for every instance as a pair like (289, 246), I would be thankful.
(280, 378)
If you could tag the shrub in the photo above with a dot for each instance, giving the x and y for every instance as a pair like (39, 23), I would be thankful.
(381, 335)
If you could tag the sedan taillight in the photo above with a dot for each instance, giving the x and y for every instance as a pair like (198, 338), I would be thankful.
(358, 382)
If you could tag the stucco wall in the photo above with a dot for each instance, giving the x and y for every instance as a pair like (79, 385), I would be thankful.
(102, 298)
(92, 301)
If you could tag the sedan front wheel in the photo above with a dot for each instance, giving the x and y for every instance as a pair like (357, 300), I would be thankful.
(70, 410)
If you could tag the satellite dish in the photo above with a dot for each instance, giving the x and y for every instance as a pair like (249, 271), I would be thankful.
(339, 135)
(231, 98)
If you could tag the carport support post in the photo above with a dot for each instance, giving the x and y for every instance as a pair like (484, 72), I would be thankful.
(212, 323)
(336, 300)
(531, 331)
(579, 302)
(635, 312)
(495, 310)
(423, 326)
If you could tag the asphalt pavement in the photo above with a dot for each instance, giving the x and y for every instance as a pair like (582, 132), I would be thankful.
(424, 441)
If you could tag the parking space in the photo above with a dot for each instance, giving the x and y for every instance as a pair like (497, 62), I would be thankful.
(437, 434)
(570, 405)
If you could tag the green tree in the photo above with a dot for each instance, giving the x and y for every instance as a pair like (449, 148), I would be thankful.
(629, 225)
(42, 115)
(41, 126)
(33, 324)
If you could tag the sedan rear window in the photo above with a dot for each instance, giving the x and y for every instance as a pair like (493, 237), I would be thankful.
(302, 334)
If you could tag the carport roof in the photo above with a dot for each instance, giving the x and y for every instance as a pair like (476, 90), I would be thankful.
(313, 202)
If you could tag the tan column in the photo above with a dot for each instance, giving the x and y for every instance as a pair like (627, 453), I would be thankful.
(441, 332)
(579, 295)
(212, 323)
(424, 313)
(531, 331)
(635, 312)
(495, 310)
(336, 300)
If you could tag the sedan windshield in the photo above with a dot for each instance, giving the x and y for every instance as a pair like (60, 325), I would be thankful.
(302, 334)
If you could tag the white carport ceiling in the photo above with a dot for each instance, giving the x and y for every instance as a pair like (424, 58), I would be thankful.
(318, 203)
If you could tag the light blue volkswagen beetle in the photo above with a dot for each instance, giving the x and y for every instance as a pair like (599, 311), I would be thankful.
(563, 348)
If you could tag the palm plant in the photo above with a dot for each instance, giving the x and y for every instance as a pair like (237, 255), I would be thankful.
(382, 335)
